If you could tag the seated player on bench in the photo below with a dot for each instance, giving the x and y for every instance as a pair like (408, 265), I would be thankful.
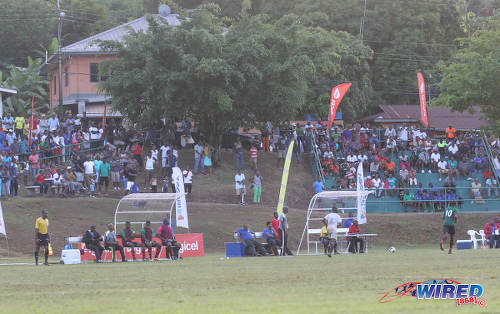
(147, 239)
(271, 238)
(251, 245)
(128, 236)
(92, 240)
(353, 239)
(166, 235)
(111, 242)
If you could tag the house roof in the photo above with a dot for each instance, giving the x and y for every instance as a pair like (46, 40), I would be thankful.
(7, 90)
(91, 44)
(439, 117)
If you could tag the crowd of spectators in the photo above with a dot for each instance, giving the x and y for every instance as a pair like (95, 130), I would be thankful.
(392, 158)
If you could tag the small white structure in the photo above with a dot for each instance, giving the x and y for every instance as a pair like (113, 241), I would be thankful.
(6, 91)
(137, 208)
(320, 205)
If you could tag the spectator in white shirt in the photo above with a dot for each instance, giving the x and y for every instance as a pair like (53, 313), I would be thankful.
(390, 132)
(403, 137)
(198, 158)
(453, 148)
(351, 158)
(239, 179)
(89, 171)
(442, 168)
(188, 180)
(391, 145)
(328, 154)
(53, 123)
(149, 166)
(164, 150)
(435, 157)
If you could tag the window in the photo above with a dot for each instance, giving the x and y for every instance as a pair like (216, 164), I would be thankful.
(94, 72)
(55, 85)
(66, 76)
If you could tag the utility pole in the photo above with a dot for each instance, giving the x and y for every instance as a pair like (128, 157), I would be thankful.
(467, 22)
(59, 57)
(362, 24)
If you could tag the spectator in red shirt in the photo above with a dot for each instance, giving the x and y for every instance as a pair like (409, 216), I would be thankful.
(276, 224)
(353, 240)
(40, 181)
(490, 230)
(137, 151)
(253, 156)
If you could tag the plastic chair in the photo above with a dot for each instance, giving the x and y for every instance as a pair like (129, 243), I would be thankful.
(472, 234)
(483, 238)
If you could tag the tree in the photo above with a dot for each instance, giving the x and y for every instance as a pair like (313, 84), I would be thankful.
(472, 79)
(252, 72)
(28, 84)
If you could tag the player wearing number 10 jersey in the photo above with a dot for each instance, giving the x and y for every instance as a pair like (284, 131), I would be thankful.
(449, 221)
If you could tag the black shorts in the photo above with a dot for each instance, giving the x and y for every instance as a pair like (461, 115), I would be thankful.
(43, 239)
(449, 229)
(104, 180)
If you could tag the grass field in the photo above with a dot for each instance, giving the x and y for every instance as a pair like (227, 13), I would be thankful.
(299, 284)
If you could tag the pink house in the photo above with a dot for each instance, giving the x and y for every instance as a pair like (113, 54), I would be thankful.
(80, 69)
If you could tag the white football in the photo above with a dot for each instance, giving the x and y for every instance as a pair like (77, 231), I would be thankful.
(392, 249)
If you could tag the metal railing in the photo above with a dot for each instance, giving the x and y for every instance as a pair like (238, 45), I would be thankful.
(66, 150)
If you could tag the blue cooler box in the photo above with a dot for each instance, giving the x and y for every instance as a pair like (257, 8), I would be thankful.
(464, 244)
(235, 249)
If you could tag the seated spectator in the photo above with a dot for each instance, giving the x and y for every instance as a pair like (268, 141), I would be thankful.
(404, 174)
(391, 145)
(374, 167)
(442, 168)
(40, 181)
(475, 191)
(435, 158)
(441, 146)
(348, 222)
(57, 181)
(423, 161)
(391, 185)
(449, 182)
(412, 180)
(271, 238)
(419, 201)
(407, 200)
(251, 246)
(491, 185)
(390, 167)
(453, 148)
(465, 168)
(480, 162)
(353, 240)
(328, 154)
(92, 240)
(453, 166)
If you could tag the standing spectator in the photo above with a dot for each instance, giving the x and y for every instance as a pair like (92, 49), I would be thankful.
(265, 140)
(188, 180)
(53, 123)
(253, 156)
(115, 167)
(43, 125)
(137, 152)
(281, 149)
(171, 161)
(238, 151)
(150, 168)
(198, 158)
(164, 153)
(34, 162)
(239, 179)
(104, 170)
(257, 187)
(89, 171)
(450, 132)
(13, 183)
(19, 123)
(8, 121)
(94, 136)
(207, 158)
(318, 185)
(283, 227)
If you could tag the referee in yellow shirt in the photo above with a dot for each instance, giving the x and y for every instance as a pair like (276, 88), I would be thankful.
(42, 237)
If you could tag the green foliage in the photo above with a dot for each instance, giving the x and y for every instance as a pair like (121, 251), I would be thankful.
(28, 84)
(254, 71)
(472, 79)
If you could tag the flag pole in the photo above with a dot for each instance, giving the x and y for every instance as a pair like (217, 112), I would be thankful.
(31, 124)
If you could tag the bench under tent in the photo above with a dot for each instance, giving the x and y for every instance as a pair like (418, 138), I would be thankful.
(137, 208)
(320, 205)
